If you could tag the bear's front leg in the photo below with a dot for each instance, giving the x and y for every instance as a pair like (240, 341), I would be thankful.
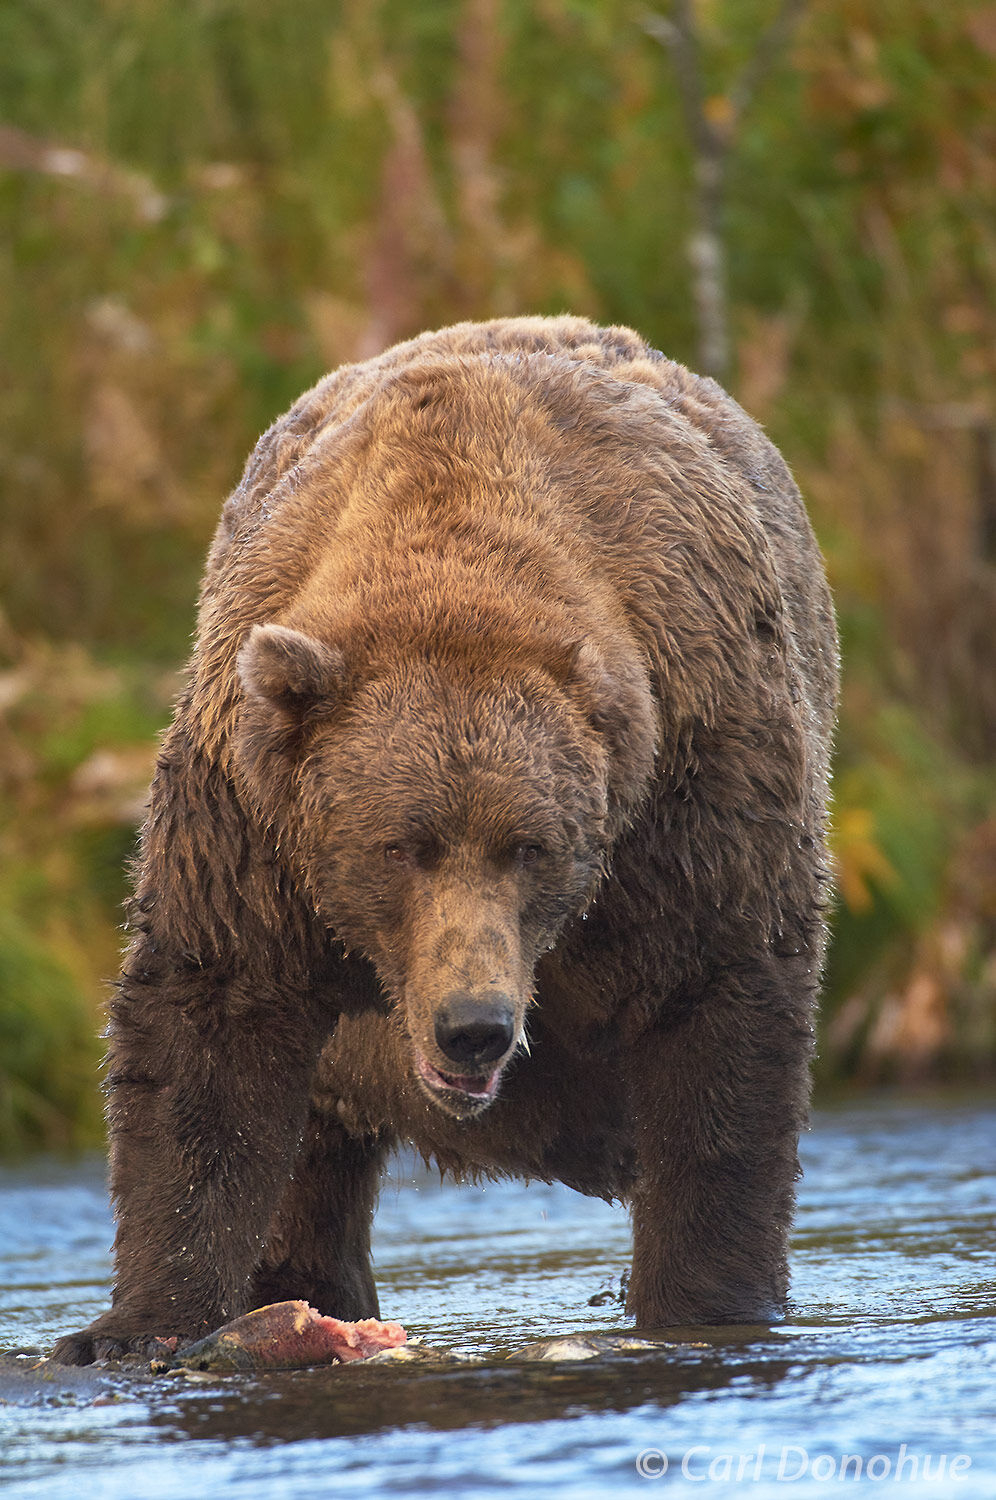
(718, 1101)
(318, 1246)
(208, 1077)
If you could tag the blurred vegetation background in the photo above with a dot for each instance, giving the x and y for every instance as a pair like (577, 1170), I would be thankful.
(207, 205)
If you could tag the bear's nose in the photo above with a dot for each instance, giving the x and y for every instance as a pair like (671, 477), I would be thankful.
(471, 1032)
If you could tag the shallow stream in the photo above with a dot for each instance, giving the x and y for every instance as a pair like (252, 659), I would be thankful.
(882, 1378)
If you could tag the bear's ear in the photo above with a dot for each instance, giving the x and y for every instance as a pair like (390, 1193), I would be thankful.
(291, 670)
(617, 701)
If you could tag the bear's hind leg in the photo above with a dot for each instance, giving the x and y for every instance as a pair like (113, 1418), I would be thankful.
(318, 1245)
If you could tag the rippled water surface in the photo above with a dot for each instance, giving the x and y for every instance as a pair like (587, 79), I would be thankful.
(885, 1366)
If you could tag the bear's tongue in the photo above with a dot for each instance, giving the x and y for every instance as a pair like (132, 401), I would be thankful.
(471, 1084)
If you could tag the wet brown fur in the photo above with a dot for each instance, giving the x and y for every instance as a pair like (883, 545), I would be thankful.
(516, 674)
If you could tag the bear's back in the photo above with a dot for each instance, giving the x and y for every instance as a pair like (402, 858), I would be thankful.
(644, 448)
(570, 345)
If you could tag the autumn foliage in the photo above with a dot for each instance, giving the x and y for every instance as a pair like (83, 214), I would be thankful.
(205, 206)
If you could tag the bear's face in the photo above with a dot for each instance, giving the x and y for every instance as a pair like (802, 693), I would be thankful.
(444, 823)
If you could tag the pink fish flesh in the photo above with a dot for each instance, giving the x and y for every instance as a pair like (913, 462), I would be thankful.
(288, 1336)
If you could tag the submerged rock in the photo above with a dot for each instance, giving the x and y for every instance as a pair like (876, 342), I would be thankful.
(414, 1352)
(576, 1346)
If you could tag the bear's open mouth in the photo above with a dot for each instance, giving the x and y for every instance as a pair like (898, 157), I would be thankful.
(473, 1086)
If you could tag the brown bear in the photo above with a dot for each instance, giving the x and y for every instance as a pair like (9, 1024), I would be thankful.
(491, 820)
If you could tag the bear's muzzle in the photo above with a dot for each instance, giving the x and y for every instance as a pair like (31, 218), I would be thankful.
(471, 1032)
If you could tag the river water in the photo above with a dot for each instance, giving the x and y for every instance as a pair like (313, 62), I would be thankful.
(882, 1378)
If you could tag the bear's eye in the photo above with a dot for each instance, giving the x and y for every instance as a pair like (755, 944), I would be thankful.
(420, 850)
(528, 854)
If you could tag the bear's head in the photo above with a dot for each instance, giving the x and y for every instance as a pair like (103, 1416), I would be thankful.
(447, 819)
